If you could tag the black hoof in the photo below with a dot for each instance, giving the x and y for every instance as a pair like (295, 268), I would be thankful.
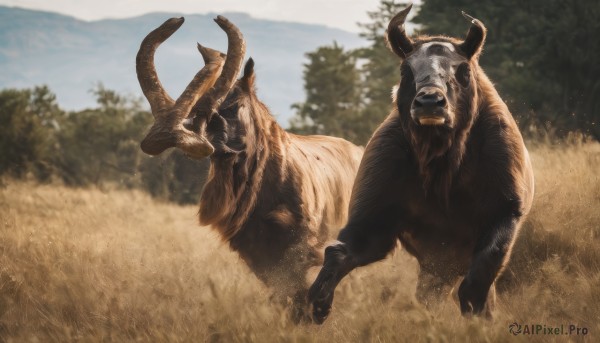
(321, 310)
(320, 294)
(472, 298)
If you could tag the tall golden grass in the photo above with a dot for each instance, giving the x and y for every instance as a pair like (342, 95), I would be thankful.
(107, 265)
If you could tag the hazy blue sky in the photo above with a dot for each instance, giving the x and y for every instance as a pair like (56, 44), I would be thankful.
(342, 14)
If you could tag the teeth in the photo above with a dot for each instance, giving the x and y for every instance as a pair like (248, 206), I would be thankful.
(432, 121)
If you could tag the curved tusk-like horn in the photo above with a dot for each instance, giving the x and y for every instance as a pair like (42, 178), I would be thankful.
(236, 49)
(168, 129)
(473, 44)
(395, 35)
(146, 72)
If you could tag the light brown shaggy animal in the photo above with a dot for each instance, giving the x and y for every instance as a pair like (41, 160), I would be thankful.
(272, 195)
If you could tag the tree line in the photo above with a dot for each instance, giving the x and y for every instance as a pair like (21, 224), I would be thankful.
(542, 55)
(95, 146)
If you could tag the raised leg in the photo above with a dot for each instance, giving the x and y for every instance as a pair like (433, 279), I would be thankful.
(337, 264)
(491, 253)
(355, 248)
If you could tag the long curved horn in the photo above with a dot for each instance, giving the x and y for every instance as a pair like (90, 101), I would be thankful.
(144, 65)
(213, 59)
(236, 49)
(473, 44)
(168, 129)
(395, 35)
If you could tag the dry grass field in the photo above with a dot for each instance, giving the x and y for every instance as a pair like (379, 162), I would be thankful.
(107, 265)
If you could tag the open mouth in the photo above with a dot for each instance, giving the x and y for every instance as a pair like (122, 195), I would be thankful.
(432, 120)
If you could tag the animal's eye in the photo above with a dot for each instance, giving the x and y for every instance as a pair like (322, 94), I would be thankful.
(463, 74)
(406, 74)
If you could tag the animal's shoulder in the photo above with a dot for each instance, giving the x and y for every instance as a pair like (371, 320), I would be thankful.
(496, 152)
(388, 142)
(384, 167)
(326, 151)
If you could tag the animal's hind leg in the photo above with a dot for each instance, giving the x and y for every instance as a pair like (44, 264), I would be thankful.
(294, 301)
(433, 289)
(300, 312)
(490, 304)
(297, 263)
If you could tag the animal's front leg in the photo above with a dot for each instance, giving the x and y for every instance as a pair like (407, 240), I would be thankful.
(338, 263)
(357, 246)
(491, 253)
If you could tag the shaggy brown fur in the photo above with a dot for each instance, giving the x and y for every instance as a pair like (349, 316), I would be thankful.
(275, 195)
(272, 195)
(447, 174)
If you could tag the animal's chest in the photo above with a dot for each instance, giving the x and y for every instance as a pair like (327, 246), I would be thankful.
(275, 234)
(435, 232)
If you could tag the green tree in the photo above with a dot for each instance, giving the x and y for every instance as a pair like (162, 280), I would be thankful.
(343, 100)
(174, 177)
(542, 55)
(381, 70)
(332, 103)
(101, 144)
(28, 126)
(94, 146)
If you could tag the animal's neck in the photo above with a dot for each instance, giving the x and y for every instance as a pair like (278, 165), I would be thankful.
(235, 178)
(439, 153)
(488, 99)
(438, 156)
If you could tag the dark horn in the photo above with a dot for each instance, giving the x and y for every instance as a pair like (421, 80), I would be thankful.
(395, 35)
(473, 44)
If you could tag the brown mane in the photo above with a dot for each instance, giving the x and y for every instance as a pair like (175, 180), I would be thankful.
(446, 174)
(273, 196)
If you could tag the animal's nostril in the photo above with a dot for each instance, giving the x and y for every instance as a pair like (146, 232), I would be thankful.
(429, 100)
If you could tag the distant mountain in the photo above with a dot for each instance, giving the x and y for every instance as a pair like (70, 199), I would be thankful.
(71, 55)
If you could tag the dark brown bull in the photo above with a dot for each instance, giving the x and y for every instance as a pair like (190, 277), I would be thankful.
(272, 195)
(447, 174)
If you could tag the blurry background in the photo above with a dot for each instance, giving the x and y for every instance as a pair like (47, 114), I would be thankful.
(89, 232)
(71, 108)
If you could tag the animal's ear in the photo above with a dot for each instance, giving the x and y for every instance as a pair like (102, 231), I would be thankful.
(395, 35)
(473, 44)
(247, 81)
(463, 74)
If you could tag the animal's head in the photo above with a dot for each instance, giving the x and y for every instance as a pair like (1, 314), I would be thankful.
(231, 128)
(437, 91)
(196, 121)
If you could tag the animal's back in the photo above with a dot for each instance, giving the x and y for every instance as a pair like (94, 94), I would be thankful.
(332, 164)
